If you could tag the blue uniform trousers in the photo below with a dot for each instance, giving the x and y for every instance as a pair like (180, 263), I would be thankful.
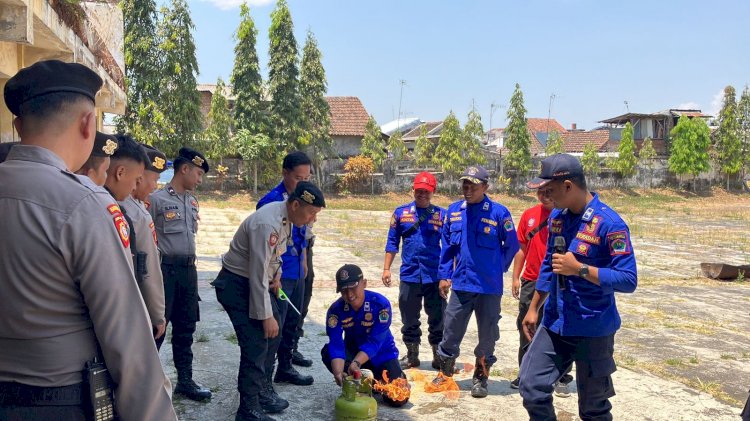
(410, 297)
(546, 361)
(290, 320)
(256, 352)
(460, 306)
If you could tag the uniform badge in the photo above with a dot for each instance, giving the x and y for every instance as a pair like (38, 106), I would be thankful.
(591, 226)
(170, 216)
(508, 225)
(308, 197)
(153, 232)
(121, 225)
(531, 222)
(333, 321)
(436, 216)
(194, 203)
(344, 275)
(592, 239)
(198, 161)
(367, 306)
(619, 243)
(110, 147)
(588, 214)
(346, 307)
(393, 221)
(147, 204)
(583, 249)
(368, 316)
(383, 316)
(486, 206)
(472, 171)
(557, 225)
(487, 230)
(158, 163)
(273, 239)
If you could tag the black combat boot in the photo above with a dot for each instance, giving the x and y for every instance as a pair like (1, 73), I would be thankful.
(250, 410)
(447, 366)
(435, 357)
(298, 358)
(269, 400)
(481, 372)
(190, 389)
(411, 359)
(286, 373)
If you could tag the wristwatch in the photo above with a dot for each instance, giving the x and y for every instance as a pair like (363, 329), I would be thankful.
(583, 272)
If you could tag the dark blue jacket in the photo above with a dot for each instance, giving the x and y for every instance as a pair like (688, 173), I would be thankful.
(480, 239)
(421, 254)
(599, 238)
(291, 260)
(366, 330)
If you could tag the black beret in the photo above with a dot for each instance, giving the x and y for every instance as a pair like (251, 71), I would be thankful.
(194, 157)
(104, 145)
(5, 150)
(309, 193)
(50, 76)
(157, 161)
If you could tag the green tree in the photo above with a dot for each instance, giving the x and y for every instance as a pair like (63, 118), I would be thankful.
(743, 121)
(218, 125)
(625, 163)
(256, 148)
(143, 116)
(646, 158)
(728, 143)
(397, 147)
(247, 84)
(424, 149)
(472, 137)
(517, 139)
(448, 153)
(691, 139)
(316, 115)
(590, 160)
(554, 144)
(372, 143)
(282, 77)
(179, 97)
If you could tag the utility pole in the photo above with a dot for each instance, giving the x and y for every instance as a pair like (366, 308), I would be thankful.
(549, 110)
(402, 82)
(493, 107)
(627, 107)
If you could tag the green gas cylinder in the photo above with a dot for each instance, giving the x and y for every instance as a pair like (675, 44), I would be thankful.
(356, 402)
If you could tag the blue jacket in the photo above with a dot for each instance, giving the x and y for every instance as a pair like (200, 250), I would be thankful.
(291, 260)
(599, 238)
(366, 330)
(480, 239)
(421, 254)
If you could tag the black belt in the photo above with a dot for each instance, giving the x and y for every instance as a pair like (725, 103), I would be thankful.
(178, 260)
(17, 394)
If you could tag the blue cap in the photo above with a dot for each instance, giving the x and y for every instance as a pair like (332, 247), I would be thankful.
(557, 167)
(476, 174)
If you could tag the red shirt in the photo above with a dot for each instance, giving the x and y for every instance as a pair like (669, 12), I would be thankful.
(536, 248)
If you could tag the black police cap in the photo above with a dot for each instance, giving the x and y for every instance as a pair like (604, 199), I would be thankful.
(104, 145)
(309, 193)
(476, 174)
(557, 167)
(348, 276)
(157, 160)
(47, 77)
(192, 156)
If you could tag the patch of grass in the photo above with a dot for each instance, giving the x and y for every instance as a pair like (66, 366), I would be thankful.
(357, 253)
(707, 387)
(203, 337)
(728, 357)
(694, 360)
(745, 354)
(626, 360)
(323, 333)
(232, 337)
(215, 389)
(674, 362)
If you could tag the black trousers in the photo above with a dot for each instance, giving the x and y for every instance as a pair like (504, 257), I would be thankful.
(410, 297)
(524, 301)
(181, 308)
(746, 412)
(392, 367)
(295, 290)
(307, 296)
(256, 352)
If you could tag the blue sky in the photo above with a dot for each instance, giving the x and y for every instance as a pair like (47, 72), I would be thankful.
(593, 55)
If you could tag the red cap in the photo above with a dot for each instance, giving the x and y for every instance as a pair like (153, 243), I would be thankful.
(425, 180)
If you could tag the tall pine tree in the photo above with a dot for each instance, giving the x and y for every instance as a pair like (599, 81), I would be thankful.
(472, 134)
(554, 144)
(517, 139)
(691, 139)
(180, 98)
(449, 154)
(590, 160)
(218, 124)
(282, 77)
(625, 163)
(316, 114)
(372, 144)
(396, 146)
(247, 84)
(743, 121)
(424, 149)
(646, 158)
(728, 143)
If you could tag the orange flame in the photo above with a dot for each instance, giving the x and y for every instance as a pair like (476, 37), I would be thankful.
(397, 390)
(447, 385)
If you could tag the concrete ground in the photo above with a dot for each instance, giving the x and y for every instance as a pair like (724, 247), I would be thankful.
(683, 343)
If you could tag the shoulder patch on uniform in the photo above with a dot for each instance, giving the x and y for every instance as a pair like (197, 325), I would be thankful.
(273, 239)
(153, 232)
(508, 224)
(588, 214)
(384, 315)
(393, 221)
(121, 225)
(583, 249)
(619, 243)
(333, 321)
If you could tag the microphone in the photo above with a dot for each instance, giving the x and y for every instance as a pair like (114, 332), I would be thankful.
(560, 248)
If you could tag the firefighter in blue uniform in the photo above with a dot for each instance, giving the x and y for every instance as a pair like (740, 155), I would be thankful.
(580, 316)
(296, 167)
(418, 225)
(358, 327)
(479, 243)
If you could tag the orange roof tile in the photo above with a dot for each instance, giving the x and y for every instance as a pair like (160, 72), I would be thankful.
(348, 116)
(577, 141)
(544, 125)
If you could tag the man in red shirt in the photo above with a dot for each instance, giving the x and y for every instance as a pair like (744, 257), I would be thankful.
(533, 232)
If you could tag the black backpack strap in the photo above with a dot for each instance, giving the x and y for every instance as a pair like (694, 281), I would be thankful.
(532, 233)
(430, 212)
